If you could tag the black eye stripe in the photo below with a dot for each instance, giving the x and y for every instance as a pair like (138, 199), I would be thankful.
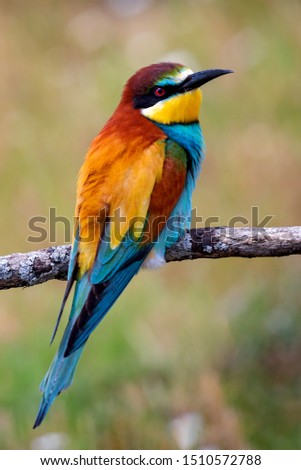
(150, 99)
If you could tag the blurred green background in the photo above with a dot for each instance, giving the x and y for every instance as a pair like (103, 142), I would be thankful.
(203, 354)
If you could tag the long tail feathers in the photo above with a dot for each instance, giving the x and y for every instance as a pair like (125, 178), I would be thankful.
(72, 274)
(61, 371)
(101, 298)
(59, 378)
(90, 304)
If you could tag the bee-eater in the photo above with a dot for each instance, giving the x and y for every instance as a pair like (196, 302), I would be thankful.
(133, 201)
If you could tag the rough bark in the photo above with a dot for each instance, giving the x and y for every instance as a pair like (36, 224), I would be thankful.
(35, 267)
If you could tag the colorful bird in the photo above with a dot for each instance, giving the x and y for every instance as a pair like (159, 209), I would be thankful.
(133, 201)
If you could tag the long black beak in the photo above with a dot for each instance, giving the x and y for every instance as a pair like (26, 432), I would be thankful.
(195, 80)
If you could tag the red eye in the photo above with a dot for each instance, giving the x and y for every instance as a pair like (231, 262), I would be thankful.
(160, 92)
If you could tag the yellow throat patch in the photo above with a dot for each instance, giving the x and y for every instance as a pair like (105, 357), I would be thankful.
(182, 108)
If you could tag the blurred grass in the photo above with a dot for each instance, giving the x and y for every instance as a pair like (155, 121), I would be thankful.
(220, 339)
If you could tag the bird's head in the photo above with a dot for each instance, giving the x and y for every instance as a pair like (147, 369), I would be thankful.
(167, 92)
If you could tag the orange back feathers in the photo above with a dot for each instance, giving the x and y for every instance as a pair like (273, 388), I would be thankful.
(121, 168)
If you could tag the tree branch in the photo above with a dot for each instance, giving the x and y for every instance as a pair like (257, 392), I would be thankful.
(35, 267)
